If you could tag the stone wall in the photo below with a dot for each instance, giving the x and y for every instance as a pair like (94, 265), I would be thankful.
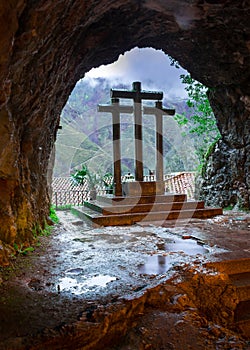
(225, 181)
(226, 176)
(47, 46)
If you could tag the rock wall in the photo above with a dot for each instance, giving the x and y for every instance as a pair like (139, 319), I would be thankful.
(47, 46)
(226, 175)
(224, 181)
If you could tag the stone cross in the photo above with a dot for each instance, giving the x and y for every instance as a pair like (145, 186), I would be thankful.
(159, 111)
(116, 109)
(137, 95)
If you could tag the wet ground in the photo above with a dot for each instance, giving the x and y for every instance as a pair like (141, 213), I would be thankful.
(79, 270)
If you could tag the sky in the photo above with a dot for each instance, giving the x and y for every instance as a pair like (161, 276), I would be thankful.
(151, 67)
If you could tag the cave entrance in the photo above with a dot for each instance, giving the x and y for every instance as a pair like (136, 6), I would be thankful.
(86, 136)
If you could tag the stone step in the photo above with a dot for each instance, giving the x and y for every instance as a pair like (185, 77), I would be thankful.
(132, 218)
(242, 282)
(242, 318)
(132, 200)
(232, 267)
(142, 208)
(244, 328)
(238, 271)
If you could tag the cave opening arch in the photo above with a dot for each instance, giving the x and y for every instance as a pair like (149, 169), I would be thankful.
(156, 72)
(47, 49)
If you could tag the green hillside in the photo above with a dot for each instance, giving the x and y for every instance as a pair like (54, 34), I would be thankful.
(86, 135)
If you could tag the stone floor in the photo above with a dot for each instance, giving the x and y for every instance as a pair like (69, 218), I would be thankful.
(125, 287)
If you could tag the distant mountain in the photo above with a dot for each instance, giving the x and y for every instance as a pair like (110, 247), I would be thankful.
(86, 135)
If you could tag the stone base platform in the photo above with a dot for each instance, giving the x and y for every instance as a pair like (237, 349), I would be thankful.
(128, 210)
(143, 188)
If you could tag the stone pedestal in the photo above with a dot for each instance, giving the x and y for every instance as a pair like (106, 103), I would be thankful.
(141, 188)
(143, 202)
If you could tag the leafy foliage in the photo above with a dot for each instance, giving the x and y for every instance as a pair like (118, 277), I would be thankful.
(108, 182)
(80, 177)
(53, 216)
(202, 121)
(173, 62)
(21, 250)
(93, 179)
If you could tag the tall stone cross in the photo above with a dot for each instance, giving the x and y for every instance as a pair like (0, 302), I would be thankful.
(116, 109)
(137, 95)
(159, 111)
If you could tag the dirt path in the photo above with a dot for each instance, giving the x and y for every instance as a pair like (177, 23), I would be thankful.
(85, 288)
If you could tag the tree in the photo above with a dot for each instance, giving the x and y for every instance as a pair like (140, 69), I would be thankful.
(202, 121)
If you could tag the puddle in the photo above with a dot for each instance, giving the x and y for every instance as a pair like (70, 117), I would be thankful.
(72, 285)
(159, 264)
(130, 253)
(188, 246)
(76, 271)
(155, 264)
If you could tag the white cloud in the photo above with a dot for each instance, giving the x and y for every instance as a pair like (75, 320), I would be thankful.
(151, 67)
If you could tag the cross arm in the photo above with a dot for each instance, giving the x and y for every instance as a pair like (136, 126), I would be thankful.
(121, 93)
(112, 108)
(155, 111)
(143, 95)
(151, 95)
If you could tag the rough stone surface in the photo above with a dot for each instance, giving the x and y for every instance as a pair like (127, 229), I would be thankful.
(226, 179)
(47, 46)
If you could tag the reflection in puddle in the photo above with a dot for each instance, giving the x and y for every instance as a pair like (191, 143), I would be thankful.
(158, 264)
(99, 281)
(69, 284)
(187, 246)
(155, 264)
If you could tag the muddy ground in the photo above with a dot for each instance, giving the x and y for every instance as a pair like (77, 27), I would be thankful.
(121, 288)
